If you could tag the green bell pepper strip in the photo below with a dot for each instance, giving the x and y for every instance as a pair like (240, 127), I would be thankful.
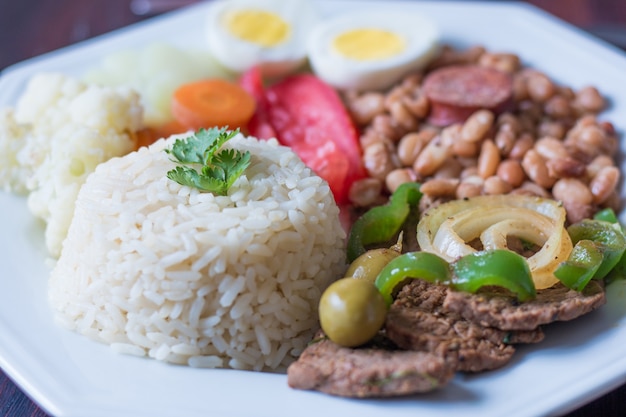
(500, 267)
(607, 215)
(608, 237)
(619, 270)
(382, 223)
(424, 265)
(582, 264)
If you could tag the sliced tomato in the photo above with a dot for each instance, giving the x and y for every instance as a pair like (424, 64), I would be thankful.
(259, 126)
(308, 115)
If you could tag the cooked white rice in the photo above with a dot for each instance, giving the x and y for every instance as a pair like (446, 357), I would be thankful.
(159, 269)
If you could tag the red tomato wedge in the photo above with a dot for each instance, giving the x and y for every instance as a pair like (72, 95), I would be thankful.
(307, 115)
(259, 125)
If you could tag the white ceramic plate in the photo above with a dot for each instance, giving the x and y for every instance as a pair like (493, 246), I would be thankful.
(72, 376)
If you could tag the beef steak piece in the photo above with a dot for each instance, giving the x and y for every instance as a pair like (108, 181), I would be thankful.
(557, 303)
(417, 320)
(371, 371)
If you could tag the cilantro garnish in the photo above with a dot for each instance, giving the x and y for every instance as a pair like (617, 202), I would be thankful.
(217, 170)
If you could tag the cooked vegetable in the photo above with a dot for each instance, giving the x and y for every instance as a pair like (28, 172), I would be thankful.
(581, 266)
(307, 115)
(259, 125)
(424, 265)
(155, 71)
(493, 268)
(599, 246)
(352, 311)
(219, 170)
(148, 135)
(382, 223)
(619, 270)
(607, 214)
(214, 102)
(461, 227)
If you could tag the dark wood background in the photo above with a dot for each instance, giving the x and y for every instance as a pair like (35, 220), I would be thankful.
(32, 27)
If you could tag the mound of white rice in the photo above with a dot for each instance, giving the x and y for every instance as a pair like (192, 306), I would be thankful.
(159, 269)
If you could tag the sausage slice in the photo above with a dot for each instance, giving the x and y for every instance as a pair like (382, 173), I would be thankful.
(457, 91)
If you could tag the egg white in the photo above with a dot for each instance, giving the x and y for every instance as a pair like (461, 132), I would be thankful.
(422, 44)
(239, 55)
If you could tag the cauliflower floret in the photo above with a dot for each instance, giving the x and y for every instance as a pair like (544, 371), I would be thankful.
(13, 175)
(60, 131)
(43, 96)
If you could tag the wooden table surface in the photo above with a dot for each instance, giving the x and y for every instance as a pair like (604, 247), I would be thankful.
(32, 27)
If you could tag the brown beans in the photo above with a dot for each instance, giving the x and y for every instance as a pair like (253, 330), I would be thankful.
(397, 177)
(590, 139)
(549, 127)
(366, 192)
(431, 158)
(402, 116)
(471, 186)
(465, 149)
(551, 148)
(377, 160)
(522, 145)
(451, 169)
(477, 125)
(363, 108)
(511, 171)
(597, 164)
(495, 185)
(440, 187)
(488, 160)
(549, 143)
(501, 61)
(590, 100)
(557, 107)
(384, 126)
(419, 106)
(535, 167)
(565, 167)
(505, 141)
(410, 147)
(572, 190)
(604, 183)
(412, 144)
(540, 87)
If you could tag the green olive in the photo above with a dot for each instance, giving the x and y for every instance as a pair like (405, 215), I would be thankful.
(352, 311)
(368, 265)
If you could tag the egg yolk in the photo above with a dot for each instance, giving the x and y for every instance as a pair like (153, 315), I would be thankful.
(368, 44)
(258, 26)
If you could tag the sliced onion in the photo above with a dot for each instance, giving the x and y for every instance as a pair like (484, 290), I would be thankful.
(447, 229)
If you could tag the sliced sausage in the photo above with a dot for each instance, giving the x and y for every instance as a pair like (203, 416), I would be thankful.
(456, 92)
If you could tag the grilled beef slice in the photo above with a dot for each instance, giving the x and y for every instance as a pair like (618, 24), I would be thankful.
(557, 303)
(369, 371)
(443, 331)
(418, 321)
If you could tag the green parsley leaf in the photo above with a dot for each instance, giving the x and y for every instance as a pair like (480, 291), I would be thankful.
(216, 170)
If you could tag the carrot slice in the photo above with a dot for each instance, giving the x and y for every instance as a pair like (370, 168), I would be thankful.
(149, 135)
(214, 102)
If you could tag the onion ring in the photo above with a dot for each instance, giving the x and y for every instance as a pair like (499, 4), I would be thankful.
(447, 229)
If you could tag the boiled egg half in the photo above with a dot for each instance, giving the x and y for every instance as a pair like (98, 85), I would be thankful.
(371, 50)
(271, 34)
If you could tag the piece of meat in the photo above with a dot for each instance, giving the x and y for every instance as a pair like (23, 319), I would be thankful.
(418, 321)
(557, 303)
(370, 371)
(455, 92)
